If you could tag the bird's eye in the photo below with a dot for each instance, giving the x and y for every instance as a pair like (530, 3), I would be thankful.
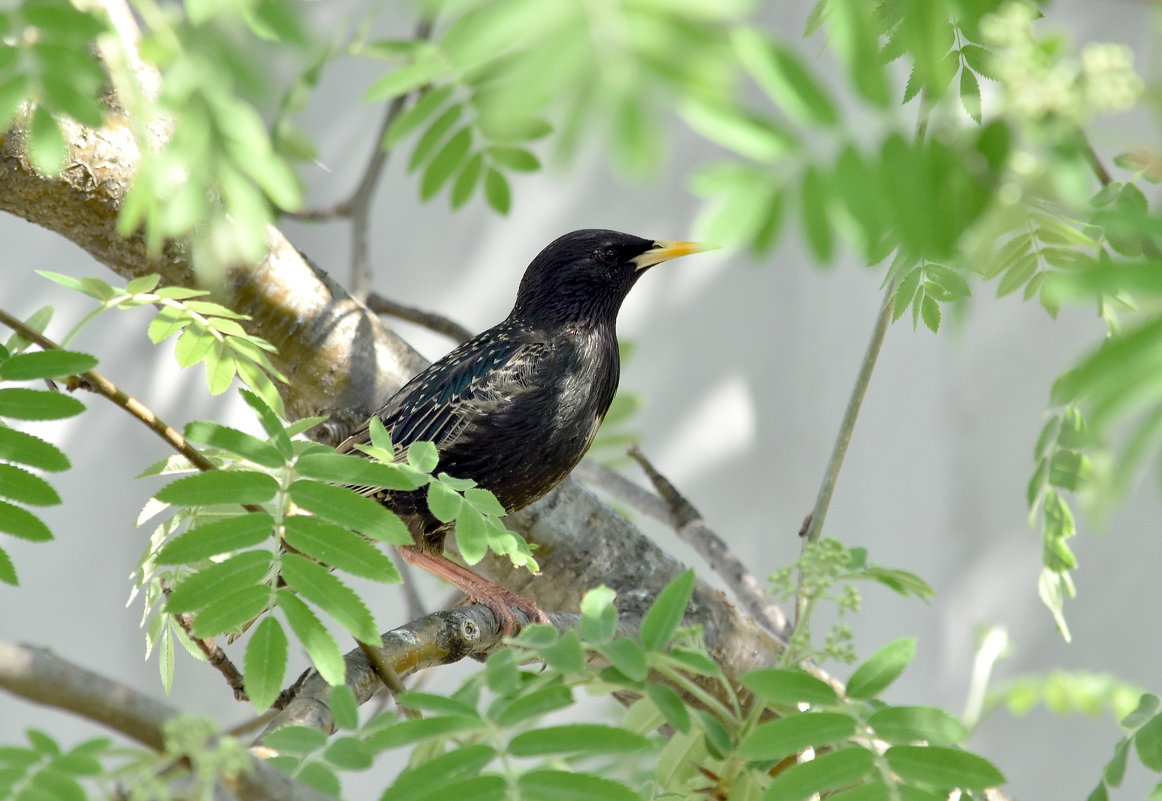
(609, 256)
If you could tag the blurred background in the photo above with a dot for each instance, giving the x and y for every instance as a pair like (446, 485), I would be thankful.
(744, 369)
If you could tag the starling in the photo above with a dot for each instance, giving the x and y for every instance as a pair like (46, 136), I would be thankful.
(516, 407)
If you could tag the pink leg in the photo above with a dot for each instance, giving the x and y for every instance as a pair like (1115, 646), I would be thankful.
(478, 589)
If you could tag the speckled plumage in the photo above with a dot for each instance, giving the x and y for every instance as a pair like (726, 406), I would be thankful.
(516, 407)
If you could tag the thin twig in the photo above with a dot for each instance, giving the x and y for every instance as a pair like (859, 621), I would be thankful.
(621, 489)
(95, 382)
(692, 529)
(846, 427)
(430, 320)
(216, 656)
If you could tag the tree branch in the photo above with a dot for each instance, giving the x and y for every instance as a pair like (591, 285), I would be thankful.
(41, 677)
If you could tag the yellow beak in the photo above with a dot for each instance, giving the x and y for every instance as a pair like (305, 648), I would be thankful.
(666, 249)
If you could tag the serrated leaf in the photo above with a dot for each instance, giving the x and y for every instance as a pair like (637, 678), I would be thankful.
(348, 753)
(355, 471)
(784, 737)
(265, 663)
(212, 539)
(344, 708)
(342, 506)
(815, 202)
(1148, 743)
(20, 485)
(202, 588)
(45, 364)
(437, 777)
(824, 772)
(423, 456)
(435, 134)
(18, 446)
(218, 487)
(296, 740)
(930, 311)
(22, 523)
(467, 180)
(534, 704)
(671, 705)
(421, 110)
(970, 94)
(340, 548)
(1017, 274)
(426, 67)
(560, 785)
(667, 611)
(627, 656)
(881, 669)
(471, 536)
(239, 443)
(907, 724)
(38, 404)
(313, 582)
(431, 702)
(406, 732)
(230, 610)
(314, 637)
(577, 738)
(7, 570)
(270, 422)
(445, 163)
(514, 158)
(942, 768)
(166, 323)
(194, 345)
(756, 138)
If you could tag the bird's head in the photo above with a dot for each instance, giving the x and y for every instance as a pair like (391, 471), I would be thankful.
(585, 275)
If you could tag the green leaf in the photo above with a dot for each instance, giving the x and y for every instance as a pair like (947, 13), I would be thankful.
(423, 456)
(443, 503)
(445, 163)
(313, 582)
(970, 94)
(466, 181)
(431, 702)
(354, 471)
(1114, 771)
(567, 655)
(266, 658)
(497, 191)
(406, 732)
(348, 753)
(296, 740)
(314, 637)
(22, 523)
(598, 615)
(435, 134)
(627, 656)
(561, 785)
(756, 138)
(218, 487)
(426, 67)
(37, 404)
(342, 506)
(814, 210)
(471, 534)
(238, 443)
(340, 548)
(671, 705)
(20, 485)
(538, 702)
(45, 364)
(7, 570)
(199, 589)
(47, 148)
(577, 738)
(514, 158)
(787, 82)
(780, 738)
(667, 611)
(221, 536)
(230, 611)
(942, 768)
(1148, 743)
(441, 774)
(825, 772)
(421, 110)
(194, 345)
(17, 446)
(881, 669)
(166, 323)
(906, 724)
(789, 687)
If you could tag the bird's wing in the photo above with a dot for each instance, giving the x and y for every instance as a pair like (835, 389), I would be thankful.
(441, 403)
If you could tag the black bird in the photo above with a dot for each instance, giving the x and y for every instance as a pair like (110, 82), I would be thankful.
(516, 407)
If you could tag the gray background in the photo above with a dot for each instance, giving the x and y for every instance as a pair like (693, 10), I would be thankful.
(745, 368)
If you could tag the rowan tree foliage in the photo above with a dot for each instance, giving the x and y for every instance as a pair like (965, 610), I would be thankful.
(950, 154)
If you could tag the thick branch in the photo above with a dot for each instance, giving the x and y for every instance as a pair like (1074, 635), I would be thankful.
(39, 676)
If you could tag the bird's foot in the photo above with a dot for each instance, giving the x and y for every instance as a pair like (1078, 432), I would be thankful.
(500, 600)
